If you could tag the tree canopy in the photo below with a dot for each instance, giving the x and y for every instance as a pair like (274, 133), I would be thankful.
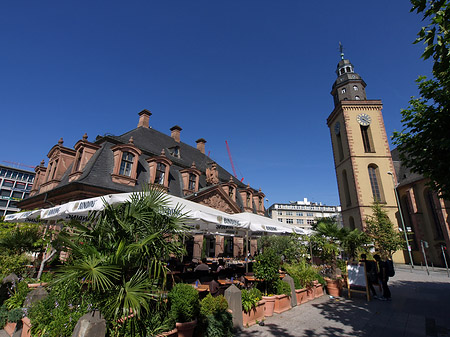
(424, 142)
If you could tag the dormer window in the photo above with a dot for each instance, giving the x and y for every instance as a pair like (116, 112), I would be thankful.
(85, 151)
(159, 170)
(192, 181)
(190, 177)
(126, 165)
(126, 158)
(160, 173)
(175, 151)
(231, 192)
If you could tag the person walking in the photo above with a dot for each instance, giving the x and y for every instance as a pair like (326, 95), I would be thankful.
(383, 277)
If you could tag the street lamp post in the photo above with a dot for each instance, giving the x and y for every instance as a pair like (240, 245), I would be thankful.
(401, 218)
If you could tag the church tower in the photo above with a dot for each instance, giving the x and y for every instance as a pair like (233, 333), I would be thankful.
(362, 157)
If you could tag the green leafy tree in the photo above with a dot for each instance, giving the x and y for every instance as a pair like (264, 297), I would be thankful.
(381, 231)
(424, 142)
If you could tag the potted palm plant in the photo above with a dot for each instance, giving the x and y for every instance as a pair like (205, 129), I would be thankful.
(326, 241)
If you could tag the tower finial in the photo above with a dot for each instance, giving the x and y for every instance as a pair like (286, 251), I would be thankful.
(341, 49)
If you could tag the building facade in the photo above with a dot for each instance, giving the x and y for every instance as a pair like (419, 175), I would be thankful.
(302, 214)
(136, 160)
(15, 185)
(425, 215)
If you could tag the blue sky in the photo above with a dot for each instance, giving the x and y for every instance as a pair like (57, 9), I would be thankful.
(256, 73)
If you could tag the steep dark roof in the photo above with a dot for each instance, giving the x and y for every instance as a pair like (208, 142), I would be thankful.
(404, 174)
(97, 172)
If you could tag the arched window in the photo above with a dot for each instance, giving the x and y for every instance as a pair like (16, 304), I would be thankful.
(351, 223)
(348, 200)
(375, 183)
(433, 213)
(355, 88)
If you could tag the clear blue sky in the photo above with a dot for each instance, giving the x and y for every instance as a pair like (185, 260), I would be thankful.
(256, 73)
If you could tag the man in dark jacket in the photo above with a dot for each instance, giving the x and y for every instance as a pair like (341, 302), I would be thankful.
(383, 277)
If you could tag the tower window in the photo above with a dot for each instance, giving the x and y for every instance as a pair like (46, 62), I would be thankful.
(346, 188)
(367, 139)
(375, 183)
(357, 98)
(343, 91)
(340, 148)
(355, 88)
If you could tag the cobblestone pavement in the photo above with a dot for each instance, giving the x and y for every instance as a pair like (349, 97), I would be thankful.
(420, 306)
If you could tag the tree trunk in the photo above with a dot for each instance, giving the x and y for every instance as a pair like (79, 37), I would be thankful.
(41, 268)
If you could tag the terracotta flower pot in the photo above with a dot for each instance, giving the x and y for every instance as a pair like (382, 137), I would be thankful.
(186, 329)
(269, 306)
(282, 303)
(333, 287)
(301, 296)
(10, 327)
(257, 314)
(171, 333)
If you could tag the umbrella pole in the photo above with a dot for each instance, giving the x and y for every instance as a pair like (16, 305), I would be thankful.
(246, 253)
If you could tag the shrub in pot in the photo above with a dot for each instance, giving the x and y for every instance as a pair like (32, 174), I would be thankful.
(266, 269)
(216, 321)
(184, 308)
(282, 299)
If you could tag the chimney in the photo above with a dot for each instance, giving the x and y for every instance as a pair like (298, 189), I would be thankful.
(144, 118)
(176, 133)
(201, 145)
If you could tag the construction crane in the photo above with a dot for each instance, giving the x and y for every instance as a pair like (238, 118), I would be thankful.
(231, 161)
(15, 164)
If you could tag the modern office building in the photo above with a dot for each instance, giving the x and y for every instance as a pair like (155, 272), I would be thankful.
(15, 185)
(302, 214)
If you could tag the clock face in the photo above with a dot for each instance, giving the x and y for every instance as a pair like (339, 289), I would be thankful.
(337, 128)
(363, 119)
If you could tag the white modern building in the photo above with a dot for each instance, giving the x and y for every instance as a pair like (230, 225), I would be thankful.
(303, 213)
(15, 185)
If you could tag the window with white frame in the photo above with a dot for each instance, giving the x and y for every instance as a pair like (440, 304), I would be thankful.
(291, 221)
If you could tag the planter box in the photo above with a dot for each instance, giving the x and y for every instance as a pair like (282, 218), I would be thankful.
(282, 303)
(257, 314)
(301, 296)
(310, 293)
(318, 290)
(26, 329)
(269, 306)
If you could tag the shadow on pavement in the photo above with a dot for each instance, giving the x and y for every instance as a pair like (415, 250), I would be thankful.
(273, 329)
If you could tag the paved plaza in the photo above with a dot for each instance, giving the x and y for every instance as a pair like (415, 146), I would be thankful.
(420, 306)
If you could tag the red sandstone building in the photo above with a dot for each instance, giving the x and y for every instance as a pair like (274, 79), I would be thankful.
(136, 160)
